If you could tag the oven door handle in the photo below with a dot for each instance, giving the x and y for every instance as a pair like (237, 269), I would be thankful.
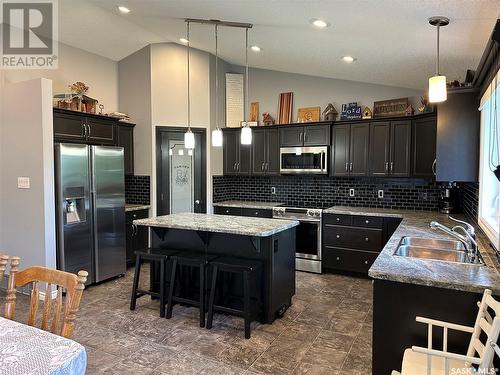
(322, 165)
(316, 221)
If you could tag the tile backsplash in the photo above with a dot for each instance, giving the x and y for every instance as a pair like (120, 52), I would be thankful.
(325, 191)
(469, 198)
(137, 189)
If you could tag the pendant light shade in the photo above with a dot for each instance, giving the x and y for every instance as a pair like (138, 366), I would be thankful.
(246, 135)
(189, 139)
(217, 137)
(437, 89)
(437, 84)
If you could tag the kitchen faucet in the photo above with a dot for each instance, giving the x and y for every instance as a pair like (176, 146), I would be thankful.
(468, 238)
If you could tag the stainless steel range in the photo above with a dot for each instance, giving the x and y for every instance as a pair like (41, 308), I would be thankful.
(308, 238)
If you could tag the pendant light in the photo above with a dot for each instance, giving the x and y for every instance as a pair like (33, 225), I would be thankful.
(217, 132)
(188, 135)
(437, 84)
(246, 131)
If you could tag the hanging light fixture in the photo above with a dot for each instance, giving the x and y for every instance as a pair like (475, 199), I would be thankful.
(217, 132)
(246, 131)
(188, 135)
(437, 84)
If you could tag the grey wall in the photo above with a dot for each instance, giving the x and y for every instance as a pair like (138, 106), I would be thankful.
(26, 148)
(310, 91)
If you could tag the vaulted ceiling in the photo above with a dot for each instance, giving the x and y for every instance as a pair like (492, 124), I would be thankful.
(391, 39)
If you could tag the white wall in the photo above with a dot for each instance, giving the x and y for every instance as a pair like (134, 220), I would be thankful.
(99, 73)
(26, 149)
(309, 91)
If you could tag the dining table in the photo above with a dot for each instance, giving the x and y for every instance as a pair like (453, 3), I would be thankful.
(28, 350)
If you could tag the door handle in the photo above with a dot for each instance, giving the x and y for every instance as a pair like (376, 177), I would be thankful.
(386, 167)
(262, 166)
(433, 168)
(392, 166)
(267, 166)
(88, 132)
(351, 166)
(305, 136)
(84, 131)
(197, 201)
(347, 167)
(234, 167)
(300, 136)
(238, 166)
(322, 162)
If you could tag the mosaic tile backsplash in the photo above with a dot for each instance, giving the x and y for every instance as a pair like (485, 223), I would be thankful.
(137, 189)
(469, 198)
(325, 191)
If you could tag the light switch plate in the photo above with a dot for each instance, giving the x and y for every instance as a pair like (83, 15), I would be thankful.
(23, 182)
(351, 192)
(380, 194)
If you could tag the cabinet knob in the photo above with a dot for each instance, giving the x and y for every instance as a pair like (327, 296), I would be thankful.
(338, 219)
(227, 211)
(366, 262)
(338, 258)
(366, 239)
(367, 221)
(134, 215)
(338, 236)
(256, 212)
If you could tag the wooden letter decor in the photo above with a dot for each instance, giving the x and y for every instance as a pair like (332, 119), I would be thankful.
(390, 108)
(285, 108)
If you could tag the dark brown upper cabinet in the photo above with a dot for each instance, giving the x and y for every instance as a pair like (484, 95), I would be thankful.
(102, 131)
(350, 143)
(307, 135)
(359, 150)
(424, 146)
(340, 150)
(458, 124)
(125, 139)
(237, 157)
(265, 151)
(390, 148)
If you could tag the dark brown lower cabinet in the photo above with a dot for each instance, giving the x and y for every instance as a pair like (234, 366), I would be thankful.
(137, 237)
(353, 242)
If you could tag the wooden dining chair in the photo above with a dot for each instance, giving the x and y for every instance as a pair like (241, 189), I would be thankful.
(480, 353)
(61, 315)
(14, 264)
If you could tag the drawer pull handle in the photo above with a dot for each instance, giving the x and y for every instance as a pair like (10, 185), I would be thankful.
(227, 211)
(338, 219)
(367, 221)
(338, 236)
(366, 262)
(134, 215)
(367, 239)
(256, 213)
(338, 258)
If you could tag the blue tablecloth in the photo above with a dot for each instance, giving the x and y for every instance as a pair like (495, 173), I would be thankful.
(29, 350)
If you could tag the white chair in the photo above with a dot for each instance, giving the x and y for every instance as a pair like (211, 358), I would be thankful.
(419, 361)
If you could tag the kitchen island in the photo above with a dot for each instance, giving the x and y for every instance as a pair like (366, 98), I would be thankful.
(406, 287)
(269, 241)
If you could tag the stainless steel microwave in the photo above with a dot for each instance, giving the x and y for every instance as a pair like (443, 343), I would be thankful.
(304, 160)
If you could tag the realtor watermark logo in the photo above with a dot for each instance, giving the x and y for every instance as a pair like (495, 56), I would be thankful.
(29, 34)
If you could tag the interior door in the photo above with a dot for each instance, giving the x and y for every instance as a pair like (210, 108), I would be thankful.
(340, 152)
(181, 173)
(360, 136)
(379, 148)
(400, 148)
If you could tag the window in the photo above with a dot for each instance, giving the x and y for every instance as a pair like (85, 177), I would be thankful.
(489, 186)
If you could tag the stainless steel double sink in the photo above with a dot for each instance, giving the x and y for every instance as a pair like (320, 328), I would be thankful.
(429, 248)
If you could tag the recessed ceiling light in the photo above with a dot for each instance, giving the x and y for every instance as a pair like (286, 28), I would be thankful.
(348, 59)
(256, 48)
(321, 24)
(123, 9)
(183, 40)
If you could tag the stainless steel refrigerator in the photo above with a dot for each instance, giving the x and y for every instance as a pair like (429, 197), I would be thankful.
(90, 200)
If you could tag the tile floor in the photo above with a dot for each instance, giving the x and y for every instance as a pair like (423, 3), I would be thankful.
(326, 331)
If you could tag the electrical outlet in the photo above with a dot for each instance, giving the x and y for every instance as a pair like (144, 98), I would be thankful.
(23, 183)
(424, 196)
(380, 194)
(351, 192)
(273, 190)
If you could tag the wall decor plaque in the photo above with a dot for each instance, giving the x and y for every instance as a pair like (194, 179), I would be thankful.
(254, 112)
(285, 105)
(351, 111)
(234, 99)
(390, 108)
(308, 114)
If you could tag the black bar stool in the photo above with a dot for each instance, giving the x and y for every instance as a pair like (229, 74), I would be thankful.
(245, 267)
(194, 260)
(160, 256)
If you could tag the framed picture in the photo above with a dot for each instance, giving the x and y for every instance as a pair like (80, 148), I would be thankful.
(308, 114)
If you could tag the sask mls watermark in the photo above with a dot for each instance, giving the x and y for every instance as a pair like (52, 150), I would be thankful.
(29, 34)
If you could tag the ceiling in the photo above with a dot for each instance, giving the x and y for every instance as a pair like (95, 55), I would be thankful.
(391, 39)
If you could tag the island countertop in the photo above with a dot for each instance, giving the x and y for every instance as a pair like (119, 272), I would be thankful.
(240, 225)
(449, 275)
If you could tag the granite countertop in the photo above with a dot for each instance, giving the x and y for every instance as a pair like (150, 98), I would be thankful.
(450, 275)
(248, 204)
(136, 207)
(245, 226)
